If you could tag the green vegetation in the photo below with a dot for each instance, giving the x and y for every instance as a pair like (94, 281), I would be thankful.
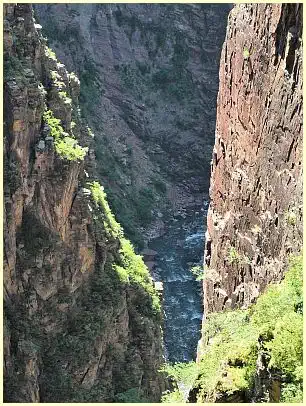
(73, 77)
(139, 275)
(132, 395)
(144, 204)
(105, 216)
(246, 53)
(66, 146)
(90, 90)
(99, 308)
(233, 256)
(160, 186)
(64, 97)
(127, 215)
(132, 207)
(291, 217)
(233, 341)
(131, 268)
(56, 31)
(175, 82)
(182, 372)
(56, 79)
(134, 78)
(198, 272)
(109, 170)
(13, 68)
(173, 397)
(50, 53)
(90, 132)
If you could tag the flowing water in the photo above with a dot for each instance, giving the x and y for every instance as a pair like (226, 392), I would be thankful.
(180, 249)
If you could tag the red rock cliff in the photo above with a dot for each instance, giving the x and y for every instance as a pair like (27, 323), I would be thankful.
(255, 214)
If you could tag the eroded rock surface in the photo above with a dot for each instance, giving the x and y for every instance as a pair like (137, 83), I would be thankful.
(255, 215)
(73, 330)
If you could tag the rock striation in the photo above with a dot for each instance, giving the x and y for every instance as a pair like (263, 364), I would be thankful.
(254, 220)
(80, 323)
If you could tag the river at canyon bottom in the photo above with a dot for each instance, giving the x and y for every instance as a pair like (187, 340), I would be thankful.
(180, 249)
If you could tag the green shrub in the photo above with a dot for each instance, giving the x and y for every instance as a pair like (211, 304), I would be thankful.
(182, 372)
(286, 347)
(50, 53)
(132, 395)
(106, 216)
(132, 268)
(90, 91)
(122, 273)
(233, 256)
(160, 186)
(56, 79)
(144, 204)
(198, 272)
(291, 217)
(13, 67)
(64, 97)
(172, 397)
(138, 272)
(246, 53)
(66, 146)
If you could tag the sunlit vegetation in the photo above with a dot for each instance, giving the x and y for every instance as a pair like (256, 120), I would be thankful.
(104, 214)
(63, 95)
(233, 256)
(50, 53)
(234, 340)
(131, 268)
(65, 144)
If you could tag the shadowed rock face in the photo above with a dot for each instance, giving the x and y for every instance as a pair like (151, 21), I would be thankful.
(255, 214)
(73, 330)
(149, 81)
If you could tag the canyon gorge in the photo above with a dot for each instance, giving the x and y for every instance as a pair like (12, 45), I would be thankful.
(138, 140)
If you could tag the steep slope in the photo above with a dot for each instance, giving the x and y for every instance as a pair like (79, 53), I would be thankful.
(149, 81)
(255, 215)
(254, 222)
(251, 348)
(82, 318)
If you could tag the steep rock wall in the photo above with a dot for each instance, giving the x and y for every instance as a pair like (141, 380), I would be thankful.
(82, 319)
(149, 81)
(255, 215)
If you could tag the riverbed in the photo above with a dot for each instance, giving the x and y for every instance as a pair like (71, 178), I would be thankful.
(180, 249)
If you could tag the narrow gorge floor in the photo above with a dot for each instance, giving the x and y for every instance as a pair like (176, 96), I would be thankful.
(180, 249)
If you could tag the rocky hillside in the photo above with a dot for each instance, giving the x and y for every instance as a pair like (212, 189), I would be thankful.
(149, 81)
(82, 318)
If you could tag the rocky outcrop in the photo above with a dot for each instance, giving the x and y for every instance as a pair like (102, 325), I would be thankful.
(255, 215)
(82, 319)
(149, 80)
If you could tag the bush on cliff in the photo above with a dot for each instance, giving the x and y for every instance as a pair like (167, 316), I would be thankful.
(104, 214)
(234, 340)
(131, 269)
(65, 145)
